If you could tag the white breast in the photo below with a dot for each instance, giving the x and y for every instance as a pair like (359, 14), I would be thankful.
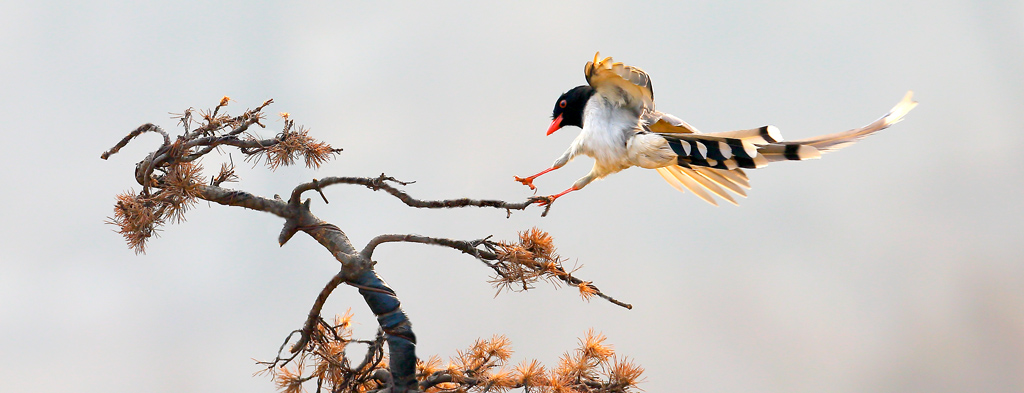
(606, 128)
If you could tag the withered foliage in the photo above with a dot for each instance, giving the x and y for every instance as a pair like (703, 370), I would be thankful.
(293, 143)
(226, 174)
(595, 366)
(483, 367)
(139, 216)
(171, 177)
(323, 362)
(533, 259)
(137, 219)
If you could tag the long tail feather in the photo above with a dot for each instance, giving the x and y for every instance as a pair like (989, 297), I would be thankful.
(790, 151)
(758, 136)
(839, 140)
(709, 162)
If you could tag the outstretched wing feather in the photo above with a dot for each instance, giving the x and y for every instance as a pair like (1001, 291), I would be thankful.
(619, 81)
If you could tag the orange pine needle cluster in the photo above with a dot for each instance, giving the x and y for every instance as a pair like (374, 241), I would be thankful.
(529, 374)
(180, 189)
(524, 263)
(291, 145)
(592, 347)
(139, 216)
(594, 364)
(432, 365)
(532, 259)
(624, 373)
(587, 290)
(482, 367)
(324, 361)
(592, 367)
(226, 174)
(288, 381)
(137, 219)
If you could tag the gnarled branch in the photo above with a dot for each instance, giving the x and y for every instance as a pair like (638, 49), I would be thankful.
(172, 170)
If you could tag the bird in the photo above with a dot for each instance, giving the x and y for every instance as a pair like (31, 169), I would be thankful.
(622, 129)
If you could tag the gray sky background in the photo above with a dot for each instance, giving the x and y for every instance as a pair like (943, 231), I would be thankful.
(894, 265)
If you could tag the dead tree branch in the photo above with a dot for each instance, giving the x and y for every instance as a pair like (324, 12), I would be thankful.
(172, 182)
(381, 183)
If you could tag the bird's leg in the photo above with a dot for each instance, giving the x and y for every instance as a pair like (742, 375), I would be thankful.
(528, 181)
(560, 162)
(578, 185)
(551, 198)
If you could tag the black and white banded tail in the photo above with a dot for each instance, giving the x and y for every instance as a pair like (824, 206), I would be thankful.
(734, 151)
(709, 162)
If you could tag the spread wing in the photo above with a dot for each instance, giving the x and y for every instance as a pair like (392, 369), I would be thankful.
(627, 86)
(701, 180)
(664, 123)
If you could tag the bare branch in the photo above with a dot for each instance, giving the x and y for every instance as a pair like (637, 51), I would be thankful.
(461, 245)
(278, 359)
(374, 352)
(382, 183)
(148, 127)
(244, 199)
(314, 313)
(526, 262)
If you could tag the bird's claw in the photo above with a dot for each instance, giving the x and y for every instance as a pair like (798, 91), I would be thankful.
(527, 181)
(542, 200)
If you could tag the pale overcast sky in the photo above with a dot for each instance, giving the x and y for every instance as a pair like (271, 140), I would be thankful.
(894, 265)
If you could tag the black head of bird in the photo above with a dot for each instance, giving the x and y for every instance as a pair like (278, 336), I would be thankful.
(569, 108)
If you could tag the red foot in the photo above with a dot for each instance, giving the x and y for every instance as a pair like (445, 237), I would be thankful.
(527, 181)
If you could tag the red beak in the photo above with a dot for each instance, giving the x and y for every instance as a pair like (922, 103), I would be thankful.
(555, 125)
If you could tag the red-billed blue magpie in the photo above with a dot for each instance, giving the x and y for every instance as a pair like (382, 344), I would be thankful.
(622, 129)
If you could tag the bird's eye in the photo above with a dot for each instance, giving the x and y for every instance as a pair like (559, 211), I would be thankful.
(561, 104)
